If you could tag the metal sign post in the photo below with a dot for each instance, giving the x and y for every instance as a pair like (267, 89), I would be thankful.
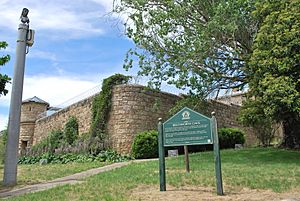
(161, 152)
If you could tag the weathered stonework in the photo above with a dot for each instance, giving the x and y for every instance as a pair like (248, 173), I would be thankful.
(82, 110)
(227, 116)
(134, 109)
(30, 112)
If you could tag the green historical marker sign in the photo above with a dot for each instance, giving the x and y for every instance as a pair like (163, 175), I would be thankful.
(187, 127)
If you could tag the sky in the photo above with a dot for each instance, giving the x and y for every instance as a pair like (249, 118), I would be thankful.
(77, 44)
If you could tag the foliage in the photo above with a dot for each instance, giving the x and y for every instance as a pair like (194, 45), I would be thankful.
(3, 141)
(55, 139)
(199, 45)
(145, 145)
(71, 130)
(252, 114)
(274, 66)
(103, 156)
(228, 137)
(48, 144)
(102, 104)
(4, 79)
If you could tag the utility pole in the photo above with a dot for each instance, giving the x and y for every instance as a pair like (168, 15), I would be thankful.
(25, 39)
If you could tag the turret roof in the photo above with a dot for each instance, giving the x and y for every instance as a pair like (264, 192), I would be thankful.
(36, 100)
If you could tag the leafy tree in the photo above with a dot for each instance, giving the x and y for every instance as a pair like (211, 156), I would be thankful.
(252, 114)
(3, 78)
(197, 45)
(275, 66)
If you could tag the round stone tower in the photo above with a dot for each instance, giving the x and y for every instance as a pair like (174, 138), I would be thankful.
(32, 109)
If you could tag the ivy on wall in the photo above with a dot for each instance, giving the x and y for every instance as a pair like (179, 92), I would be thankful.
(102, 104)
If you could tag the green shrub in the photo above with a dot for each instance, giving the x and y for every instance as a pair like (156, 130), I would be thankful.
(3, 140)
(71, 130)
(48, 144)
(228, 137)
(55, 139)
(103, 156)
(145, 145)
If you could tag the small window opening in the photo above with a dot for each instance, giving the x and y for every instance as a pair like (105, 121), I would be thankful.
(24, 144)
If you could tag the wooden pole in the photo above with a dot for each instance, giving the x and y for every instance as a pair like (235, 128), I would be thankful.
(186, 159)
(161, 151)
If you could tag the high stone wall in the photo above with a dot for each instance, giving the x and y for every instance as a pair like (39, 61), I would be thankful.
(134, 109)
(82, 110)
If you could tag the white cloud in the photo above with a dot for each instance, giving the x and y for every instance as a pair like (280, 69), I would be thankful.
(63, 20)
(35, 53)
(3, 121)
(60, 91)
(53, 89)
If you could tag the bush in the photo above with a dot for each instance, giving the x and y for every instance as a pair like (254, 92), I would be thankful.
(103, 156)
(71, 130)
(145, 145)
(228, 137)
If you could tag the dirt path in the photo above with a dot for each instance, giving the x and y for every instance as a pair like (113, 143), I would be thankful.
(192, 193)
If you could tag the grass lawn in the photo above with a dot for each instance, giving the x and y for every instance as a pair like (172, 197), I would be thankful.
(277, 170)
(31, 174)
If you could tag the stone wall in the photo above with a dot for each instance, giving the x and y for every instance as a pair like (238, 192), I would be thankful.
(30, 112)
(227, 116)
(134, 109)
(81, 110)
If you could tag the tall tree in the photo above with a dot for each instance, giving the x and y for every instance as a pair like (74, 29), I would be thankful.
(4, 79)
(199, 45)
(274, 66)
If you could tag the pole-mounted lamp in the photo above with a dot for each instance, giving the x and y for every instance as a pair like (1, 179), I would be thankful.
(24, 40)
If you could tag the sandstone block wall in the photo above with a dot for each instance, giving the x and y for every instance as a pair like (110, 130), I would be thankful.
(26, 133)
(134, 109)
(81, 110)
(227, 116)
(32, 110)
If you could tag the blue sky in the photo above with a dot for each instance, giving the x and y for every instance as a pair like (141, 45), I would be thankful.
(77, 44)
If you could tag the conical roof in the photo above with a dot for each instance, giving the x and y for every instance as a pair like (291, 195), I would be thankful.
(36, 100)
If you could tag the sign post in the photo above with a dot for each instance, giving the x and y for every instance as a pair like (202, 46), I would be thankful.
(186, 159)
(217, 156)
(188, 127)
(161, 153)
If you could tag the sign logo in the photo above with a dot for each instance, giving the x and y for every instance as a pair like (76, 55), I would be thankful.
(185, 115)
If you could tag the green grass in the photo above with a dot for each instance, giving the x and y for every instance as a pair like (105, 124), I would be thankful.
(32, 174)
(278, 170)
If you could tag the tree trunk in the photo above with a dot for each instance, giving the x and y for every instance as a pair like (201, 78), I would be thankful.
(291, 127)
